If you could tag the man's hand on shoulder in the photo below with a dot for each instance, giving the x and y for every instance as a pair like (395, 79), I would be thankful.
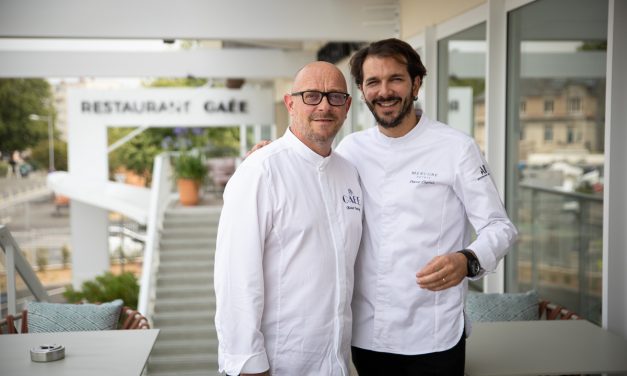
(257, 146)
(443, 272)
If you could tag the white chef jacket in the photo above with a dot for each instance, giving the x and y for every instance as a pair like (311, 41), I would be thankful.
(287, 240)
(419, 190)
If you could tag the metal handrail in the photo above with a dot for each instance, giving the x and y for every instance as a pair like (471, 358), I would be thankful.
(16, 261)
(160, 197)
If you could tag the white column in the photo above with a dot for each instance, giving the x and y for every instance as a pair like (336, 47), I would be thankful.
(243, 148)
(615, 187)
(89, 236)
(496, 75)
(430, 61)
(87, 158)
(257, 128)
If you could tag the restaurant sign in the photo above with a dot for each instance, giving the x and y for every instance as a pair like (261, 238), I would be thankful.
(167, 107)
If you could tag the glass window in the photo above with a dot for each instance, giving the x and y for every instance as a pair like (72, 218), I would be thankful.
(548, 133)
(555, 173)
(574, 105)
(570, 134)
(461, 86)
(461, 81)
(548, 106)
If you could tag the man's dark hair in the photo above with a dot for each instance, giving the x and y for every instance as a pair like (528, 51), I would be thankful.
(395, 48)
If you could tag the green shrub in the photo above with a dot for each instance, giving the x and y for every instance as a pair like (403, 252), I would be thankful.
(4, 169)
(65, 255)
(41, 256)
(190, 165)
(105, 288)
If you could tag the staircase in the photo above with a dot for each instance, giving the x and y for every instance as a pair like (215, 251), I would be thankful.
(185, 301)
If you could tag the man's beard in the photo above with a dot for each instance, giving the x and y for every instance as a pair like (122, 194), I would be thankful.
(407, 106)
(333, 129)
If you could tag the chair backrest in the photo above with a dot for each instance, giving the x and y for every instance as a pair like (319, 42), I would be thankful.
(482, 307)
(551, 311)
(129, 319)
(9, 323)
(514, 307)
(132, 319)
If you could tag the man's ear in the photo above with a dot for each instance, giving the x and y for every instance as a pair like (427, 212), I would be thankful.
(289, 102)
(416, 86)
(349, 100)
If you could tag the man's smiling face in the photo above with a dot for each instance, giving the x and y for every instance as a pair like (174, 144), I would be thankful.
(388, 90)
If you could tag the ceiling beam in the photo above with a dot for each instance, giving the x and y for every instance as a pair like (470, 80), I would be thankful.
(328, 20)
(240, 63)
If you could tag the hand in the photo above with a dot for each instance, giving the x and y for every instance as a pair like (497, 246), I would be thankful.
(257, 146)
(443, 272)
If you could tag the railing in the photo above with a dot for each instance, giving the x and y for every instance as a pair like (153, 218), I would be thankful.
(560, 247)
(160, 197)
(16, 261)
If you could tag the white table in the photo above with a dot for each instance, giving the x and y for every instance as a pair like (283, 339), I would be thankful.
(544, 347)
(103, 352)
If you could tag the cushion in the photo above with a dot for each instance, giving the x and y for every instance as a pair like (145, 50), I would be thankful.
(54, 317)
(502, 307)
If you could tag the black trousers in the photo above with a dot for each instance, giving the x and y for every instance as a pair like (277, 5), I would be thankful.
(444, 363)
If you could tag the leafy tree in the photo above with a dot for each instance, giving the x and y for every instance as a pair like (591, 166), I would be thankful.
(178, 82)
(41, 257)
(20, 98)
(478, 85)
(223, 142)
(105, 288)
(597, 45)
(40, 154)
(137, 154)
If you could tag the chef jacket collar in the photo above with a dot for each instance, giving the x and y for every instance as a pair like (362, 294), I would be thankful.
(305, 152)
(413, 133)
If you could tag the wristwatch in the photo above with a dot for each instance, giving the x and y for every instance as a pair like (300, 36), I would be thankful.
(473, 265)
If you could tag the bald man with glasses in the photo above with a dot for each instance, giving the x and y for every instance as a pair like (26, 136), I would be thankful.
(287, 242)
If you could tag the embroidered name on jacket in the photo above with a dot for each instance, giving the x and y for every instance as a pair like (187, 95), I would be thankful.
(351, 200)
(423, 177)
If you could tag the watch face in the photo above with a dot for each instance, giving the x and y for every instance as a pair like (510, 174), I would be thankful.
(475, 268)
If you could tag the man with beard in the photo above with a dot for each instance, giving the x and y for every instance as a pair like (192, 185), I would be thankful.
(422, 181)
(287, 241)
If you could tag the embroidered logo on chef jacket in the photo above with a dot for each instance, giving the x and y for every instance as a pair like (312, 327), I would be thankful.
(351, 200)
(483, 170)
(423, 177)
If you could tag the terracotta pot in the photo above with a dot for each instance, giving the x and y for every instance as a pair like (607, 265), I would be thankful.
(188, 191)
(60, 200)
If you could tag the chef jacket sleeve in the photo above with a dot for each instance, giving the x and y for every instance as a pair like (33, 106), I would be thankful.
(245, 222)
(476, 189)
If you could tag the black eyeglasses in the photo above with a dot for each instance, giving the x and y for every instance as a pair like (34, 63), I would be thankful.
(313, 98)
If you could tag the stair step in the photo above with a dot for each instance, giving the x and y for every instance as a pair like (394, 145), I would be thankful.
(183, 292)
(182, 362)
(187, 332)
(185, 278)
(186, 254)
(162, 320)
(186, 266)
(186, 243)
(203, 304)
(204, 230)
(185, 346)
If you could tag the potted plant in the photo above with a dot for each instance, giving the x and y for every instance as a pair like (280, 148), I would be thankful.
(189, 171)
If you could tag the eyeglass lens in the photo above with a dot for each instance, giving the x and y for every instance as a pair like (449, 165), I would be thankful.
(315, 97)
